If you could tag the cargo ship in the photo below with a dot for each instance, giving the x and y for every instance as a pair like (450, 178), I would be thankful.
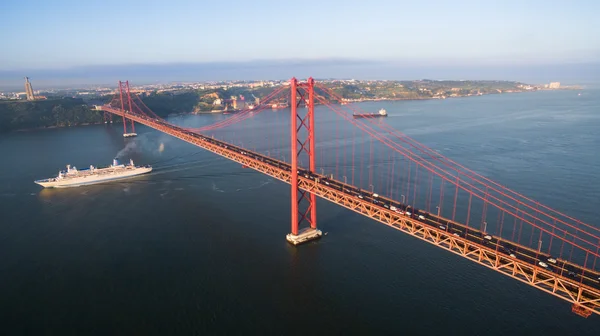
(73, 177)
(381, 113)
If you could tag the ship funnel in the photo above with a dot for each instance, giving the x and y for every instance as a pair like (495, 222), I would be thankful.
(115, 162)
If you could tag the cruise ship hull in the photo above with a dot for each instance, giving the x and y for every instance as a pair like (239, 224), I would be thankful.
(93, 179)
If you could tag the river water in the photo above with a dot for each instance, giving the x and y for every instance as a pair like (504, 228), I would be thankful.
(198, 246)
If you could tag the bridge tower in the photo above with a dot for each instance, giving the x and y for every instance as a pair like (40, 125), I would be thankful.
(304, 204)
(124, 88)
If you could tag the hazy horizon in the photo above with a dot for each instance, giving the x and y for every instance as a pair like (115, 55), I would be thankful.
(141, 74)
(72, 43)
(67, 42)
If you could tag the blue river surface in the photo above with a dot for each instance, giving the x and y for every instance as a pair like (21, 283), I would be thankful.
(198, 245)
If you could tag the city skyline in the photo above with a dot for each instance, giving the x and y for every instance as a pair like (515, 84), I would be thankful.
(67, 34)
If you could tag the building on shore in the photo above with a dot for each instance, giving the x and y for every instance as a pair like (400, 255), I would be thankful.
(554, 85)
(238, 104)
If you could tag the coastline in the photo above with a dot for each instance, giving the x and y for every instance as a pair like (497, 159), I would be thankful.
(363, 100)
(206, 112)
(53, 127)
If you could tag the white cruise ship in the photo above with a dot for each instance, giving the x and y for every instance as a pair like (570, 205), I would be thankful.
(73, 177)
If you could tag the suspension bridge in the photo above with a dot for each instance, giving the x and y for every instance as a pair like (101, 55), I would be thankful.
(370, 168)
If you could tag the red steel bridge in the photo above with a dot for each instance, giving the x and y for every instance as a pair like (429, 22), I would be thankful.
(368, 167)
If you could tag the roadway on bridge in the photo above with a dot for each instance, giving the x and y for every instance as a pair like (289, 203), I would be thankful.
(586, 276)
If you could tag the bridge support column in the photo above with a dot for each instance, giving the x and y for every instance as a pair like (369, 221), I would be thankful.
(124, 86)
(130, 108)
(304, 204)
(107, 117)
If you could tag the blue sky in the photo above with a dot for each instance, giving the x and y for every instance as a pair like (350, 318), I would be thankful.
(64, 33)
(58, 34)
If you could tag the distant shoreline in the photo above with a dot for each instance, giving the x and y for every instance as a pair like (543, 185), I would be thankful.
(53, 127)
(336, 103)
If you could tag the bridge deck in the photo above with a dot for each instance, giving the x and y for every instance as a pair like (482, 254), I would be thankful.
(568, 281)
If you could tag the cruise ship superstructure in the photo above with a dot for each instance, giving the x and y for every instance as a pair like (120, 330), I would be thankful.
(73, 177)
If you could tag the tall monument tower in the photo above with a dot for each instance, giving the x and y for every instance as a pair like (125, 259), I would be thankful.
(28, 89)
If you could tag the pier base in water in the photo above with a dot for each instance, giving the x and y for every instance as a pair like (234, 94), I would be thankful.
(304, 235)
